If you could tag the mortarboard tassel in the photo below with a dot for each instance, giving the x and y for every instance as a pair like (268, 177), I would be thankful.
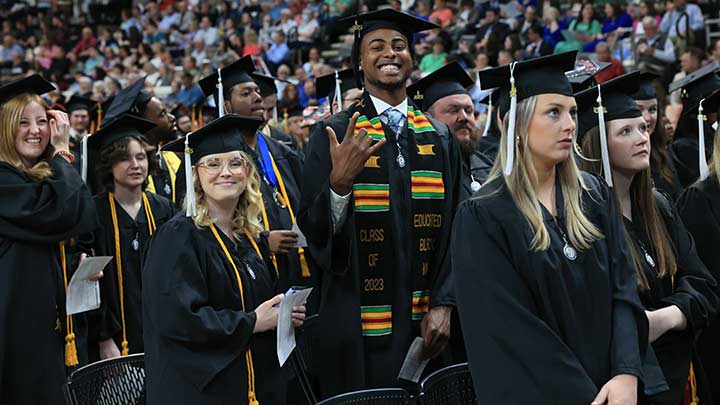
(221, 97)
(83, 158)
(275, 116)
(488, 120)
(511, 123)
(607, 172)
(338, 95)
(193, 125)
(190, 202)
(701, 142)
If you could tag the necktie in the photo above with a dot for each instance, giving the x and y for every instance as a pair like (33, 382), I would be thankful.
(394, 119)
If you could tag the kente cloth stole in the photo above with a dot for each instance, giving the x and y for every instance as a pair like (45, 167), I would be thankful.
(380, 272)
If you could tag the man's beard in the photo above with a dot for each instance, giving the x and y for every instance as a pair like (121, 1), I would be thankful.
(468, 147)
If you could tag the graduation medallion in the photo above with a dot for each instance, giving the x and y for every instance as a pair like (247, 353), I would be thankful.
(400, 160)
(135, 244)
(250, 271)
(474, 186)
(167, 189)
(649, 259)
(569, 252)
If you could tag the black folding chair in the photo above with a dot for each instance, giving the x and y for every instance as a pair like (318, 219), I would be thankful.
(118, 381)
(382, 396)
(451, 385)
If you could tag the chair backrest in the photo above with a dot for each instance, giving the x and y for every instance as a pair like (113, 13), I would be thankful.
(451, 385)
(118, 381)
(382, 396)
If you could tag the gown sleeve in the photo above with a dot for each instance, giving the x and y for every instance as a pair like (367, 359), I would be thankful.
(696, 211)
(442, 292)
(50, 210)
(315, 215)
(204, 340)
(515, 358)
(695, 291)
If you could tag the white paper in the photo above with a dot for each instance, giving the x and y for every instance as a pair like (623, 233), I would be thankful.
(415, 362)
(302, 241)
(83, 294)
(285, 329)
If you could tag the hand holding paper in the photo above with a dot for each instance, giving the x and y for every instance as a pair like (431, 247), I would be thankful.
(83, 293)
(285, 330)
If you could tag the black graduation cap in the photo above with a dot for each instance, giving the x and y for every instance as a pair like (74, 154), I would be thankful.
(448, 80)
(34, 84)
(237, 72)
(102, 108)
(712, 104)
(129, 100)
(580, 80)
(617, 101)
(646, 90)
(77, 102)
(696, 86)
(325, 85)
(218, 136)
(266, 83)
(124, 126)
(388, 18)
(543, 75)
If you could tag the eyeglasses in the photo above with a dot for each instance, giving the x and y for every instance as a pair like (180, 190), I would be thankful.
(214, 167)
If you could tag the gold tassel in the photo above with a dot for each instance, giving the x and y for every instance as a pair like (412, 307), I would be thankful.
(71, 358)
(303, 263)
(125, 348)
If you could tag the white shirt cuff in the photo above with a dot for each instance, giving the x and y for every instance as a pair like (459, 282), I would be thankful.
(338, 206)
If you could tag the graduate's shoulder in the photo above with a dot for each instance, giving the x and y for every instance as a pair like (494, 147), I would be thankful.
(159, 201)
(595, 190)
(702, 193)
(9, 174)
(179, 228)
(492, 200)
(338, 122)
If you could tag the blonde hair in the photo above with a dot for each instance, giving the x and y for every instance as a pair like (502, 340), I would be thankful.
(641, 192)
(247, 211)
(715, 163)
(10, 116)
(521, 184)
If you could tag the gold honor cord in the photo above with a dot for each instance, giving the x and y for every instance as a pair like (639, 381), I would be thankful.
(71, 358)
(301, 252)
(252, 399)
(118, 259)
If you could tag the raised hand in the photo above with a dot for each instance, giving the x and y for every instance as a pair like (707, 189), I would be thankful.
(349, 157)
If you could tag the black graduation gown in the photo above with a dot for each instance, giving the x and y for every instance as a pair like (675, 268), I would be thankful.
(76, 150)
(196, 333)
(35, 216)
(162, 180)
(699, 207)
(341, 358)
(106, 322)
(542, 329)
(694, 293)
(479, 166)
(490, 144)
(287, 140)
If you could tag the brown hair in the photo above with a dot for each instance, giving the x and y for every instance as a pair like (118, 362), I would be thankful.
(652, 221)
(118, 151)
(10, 116)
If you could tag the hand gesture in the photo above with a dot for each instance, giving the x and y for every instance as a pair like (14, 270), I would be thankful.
(620, 390)
(435, 330)
(350, 156)
(59, 130)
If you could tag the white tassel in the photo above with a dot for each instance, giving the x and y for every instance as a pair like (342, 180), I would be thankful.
(275, 117)
(701, 142)
(221, 98)
(338, 94)
(603, 140)
(84, 157)
(488, 120)
(511, 123)
(190, 202)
